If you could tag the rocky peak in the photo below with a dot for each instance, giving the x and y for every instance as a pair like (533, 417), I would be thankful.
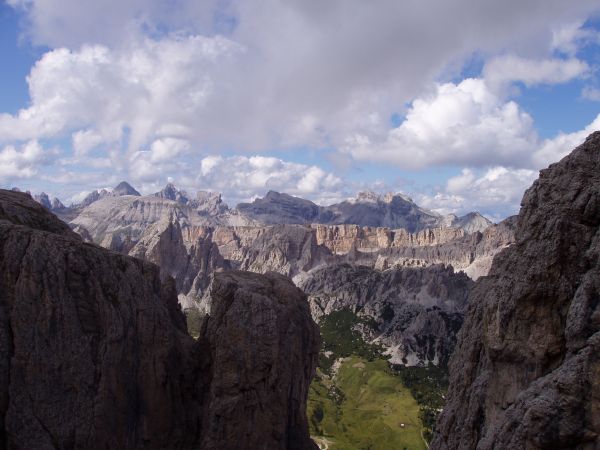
(209, 203)
(57, 204)
(368, 197)
(277, 208)
(264, 348)
(525, 372)
(124, 188)
(93, 196)
(170, 192)
(43, 200)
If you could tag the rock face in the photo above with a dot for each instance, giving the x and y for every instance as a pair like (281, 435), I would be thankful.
(88, 341)
(417, 312)
(264, 349)
(94, 351)
(526, 371)
(276, 208)
(124, 188)
(189, 257)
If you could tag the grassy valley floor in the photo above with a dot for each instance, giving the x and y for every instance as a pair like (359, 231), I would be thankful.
(364, 406)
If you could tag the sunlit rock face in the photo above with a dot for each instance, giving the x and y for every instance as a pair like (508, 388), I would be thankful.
(526, 371)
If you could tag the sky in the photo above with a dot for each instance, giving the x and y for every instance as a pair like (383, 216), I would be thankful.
(455, 103)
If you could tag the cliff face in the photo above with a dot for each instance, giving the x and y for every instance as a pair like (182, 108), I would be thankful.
(264, 348)
(90, 342)
(526, 371)
(417, 312)
(94, 351)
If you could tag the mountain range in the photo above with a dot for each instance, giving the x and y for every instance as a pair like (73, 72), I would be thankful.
(367, 209)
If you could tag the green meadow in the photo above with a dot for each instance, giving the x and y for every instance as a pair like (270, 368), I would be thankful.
(365, 406)
(357, 401)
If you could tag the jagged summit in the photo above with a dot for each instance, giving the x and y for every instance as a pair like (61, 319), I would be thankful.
(124, 188)
(170, 192)
(43, 199)
(373, 197)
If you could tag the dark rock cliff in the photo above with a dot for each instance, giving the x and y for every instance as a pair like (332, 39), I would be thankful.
(526, 371)
(94, 352)
(264, 348)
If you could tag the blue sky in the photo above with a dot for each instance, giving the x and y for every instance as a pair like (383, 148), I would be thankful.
(459, 110)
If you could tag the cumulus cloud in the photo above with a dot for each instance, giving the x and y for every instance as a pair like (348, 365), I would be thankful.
(99, 93)
(506, 69)
(495, 192)
(24, 162)
(461, 123)
(253, 75)
(552, 150)
(568, 38)
(242, 178)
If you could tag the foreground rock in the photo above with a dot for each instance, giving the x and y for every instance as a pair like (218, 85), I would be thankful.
(94, 351)
(526, 371)
(264, 349)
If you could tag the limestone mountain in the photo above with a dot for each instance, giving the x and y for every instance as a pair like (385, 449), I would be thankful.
(368, 209)
(526, 371)
(95, 352)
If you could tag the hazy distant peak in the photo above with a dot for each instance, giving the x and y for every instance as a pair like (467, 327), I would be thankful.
(373, 197)
(124, 188)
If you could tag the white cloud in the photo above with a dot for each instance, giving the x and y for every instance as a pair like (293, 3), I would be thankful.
(84, 141)
(502, 70)
(166, 149)
(242, 178)
(495, 192)
(461, 123)
(591, 93)
(570, 37)
(98, 92)
(552, 150)
(24, 162)
(288, 74)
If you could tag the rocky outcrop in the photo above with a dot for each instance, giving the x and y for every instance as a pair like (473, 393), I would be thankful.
(190, 257)
(276, 208)
(264, 349)
(415, 313)
(526, 371)
(114, 221)
(286, 249)
(343, 238)
(94, 351)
